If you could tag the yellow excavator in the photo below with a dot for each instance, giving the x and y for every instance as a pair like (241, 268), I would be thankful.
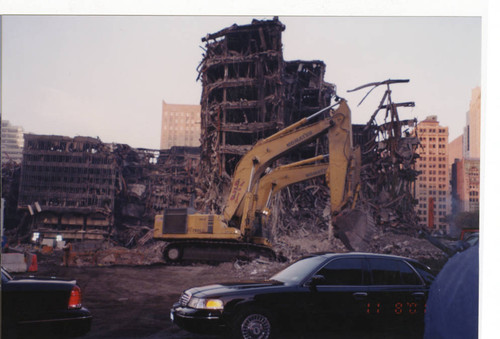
(210, 237)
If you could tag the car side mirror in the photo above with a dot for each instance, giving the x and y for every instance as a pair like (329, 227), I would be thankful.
(316, 280)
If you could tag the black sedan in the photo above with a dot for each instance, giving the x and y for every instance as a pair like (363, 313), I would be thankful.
(321, 292)
(38, 307)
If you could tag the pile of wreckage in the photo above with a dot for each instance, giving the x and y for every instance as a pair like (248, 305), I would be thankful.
(108, 194)
(250, 92)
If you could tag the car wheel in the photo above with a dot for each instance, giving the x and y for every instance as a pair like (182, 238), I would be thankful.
(252, 323)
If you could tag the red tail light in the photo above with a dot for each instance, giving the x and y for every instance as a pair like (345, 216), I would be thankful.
(75, 298)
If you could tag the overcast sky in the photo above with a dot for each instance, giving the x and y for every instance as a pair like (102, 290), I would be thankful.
(106, 76)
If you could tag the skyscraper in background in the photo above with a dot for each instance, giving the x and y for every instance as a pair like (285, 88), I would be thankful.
(472, 131)
(12, 142)
(465, 169)
(433, 185)
(180, 125)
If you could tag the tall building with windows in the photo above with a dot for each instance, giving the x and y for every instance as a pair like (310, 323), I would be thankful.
(432, 186)
(468, 185)
(466, 167)
(180, 125)
(472, 130)
(12, 142)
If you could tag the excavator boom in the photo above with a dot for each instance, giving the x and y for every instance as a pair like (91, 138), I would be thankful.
(286, 175)
(352, 226)
(279, 178)
(253, 164)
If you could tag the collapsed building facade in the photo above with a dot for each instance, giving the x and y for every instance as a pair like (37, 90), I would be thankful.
(68, 186)
(249, 93)
(82, 189)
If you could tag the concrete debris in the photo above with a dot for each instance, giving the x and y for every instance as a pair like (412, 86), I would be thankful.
(117, 255)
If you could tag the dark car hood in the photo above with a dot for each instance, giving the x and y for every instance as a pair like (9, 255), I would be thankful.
(231, 287)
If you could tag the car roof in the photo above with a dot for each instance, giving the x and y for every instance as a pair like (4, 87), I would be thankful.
(359, 254)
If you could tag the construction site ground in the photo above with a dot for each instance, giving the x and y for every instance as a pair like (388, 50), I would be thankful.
(131, 300)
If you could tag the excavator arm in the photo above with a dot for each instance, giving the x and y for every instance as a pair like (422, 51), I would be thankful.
(351, 225)
(253, 164)
(279, 178)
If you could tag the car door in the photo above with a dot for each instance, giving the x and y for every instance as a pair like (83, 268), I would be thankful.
(396, 296)
(339, 298)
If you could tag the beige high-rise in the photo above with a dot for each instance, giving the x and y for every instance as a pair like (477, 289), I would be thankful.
(433, 185)
(180, 125)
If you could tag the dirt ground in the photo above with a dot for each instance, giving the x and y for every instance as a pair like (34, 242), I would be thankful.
(130, 292)
(135, 301)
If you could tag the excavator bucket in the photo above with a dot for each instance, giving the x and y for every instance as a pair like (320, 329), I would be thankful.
(355, 229)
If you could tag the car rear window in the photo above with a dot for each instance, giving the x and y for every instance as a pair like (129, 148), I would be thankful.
(392, 272)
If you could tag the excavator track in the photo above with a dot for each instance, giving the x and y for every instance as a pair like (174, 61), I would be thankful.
(207, 251)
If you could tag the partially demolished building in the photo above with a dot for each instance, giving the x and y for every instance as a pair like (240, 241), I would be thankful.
(68, 185)
(249, 93)
(82, 189)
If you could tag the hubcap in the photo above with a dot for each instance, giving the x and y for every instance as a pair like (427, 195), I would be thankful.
(255, 326)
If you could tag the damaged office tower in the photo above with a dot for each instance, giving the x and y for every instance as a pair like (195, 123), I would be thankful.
(82, 189)
(249, 93)
(67, 185)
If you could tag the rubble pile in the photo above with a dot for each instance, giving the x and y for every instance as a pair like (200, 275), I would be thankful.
(150, 181)
(118, 255)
